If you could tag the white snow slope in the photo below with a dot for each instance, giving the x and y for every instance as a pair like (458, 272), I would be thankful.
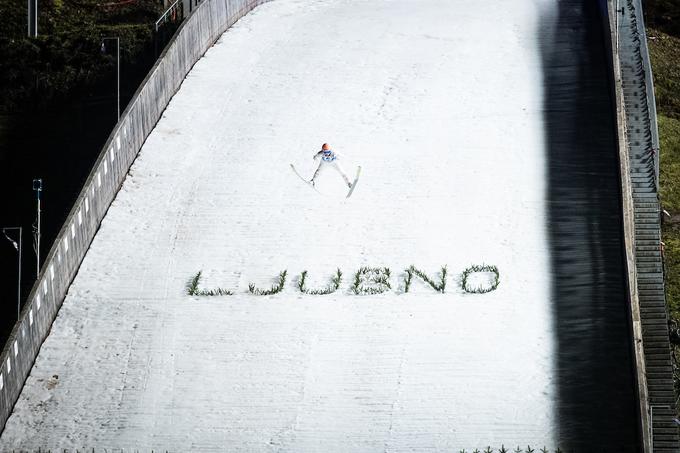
(440, 102)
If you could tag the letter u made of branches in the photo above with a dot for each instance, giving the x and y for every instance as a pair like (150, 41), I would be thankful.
(275, 289)
(331, 288)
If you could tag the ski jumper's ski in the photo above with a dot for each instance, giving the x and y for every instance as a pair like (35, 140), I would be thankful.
(354, 184)
(304, 180)
(300, 176)
(351, 189)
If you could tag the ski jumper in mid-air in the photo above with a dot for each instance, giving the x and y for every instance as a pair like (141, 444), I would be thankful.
(328, 158)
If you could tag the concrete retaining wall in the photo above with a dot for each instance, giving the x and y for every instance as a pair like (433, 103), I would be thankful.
(198, 32)
(628, 226)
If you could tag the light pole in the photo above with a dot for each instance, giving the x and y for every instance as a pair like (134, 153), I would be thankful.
(18, 249)
(37, 188)
(32, 18)
(117, 39)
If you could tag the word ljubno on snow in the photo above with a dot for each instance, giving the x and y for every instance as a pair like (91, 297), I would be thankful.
(476, 279)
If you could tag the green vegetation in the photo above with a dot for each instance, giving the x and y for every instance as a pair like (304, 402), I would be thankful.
(411, 271)
(669, 136)
(518, 449)
(480, 289)
(275, 289)
(66, 58)
(664, 50)
(331, 288)
(194, 290)
(371, 280)
(663, 15)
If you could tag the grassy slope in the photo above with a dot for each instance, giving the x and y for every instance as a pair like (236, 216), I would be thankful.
(665, 52)
(669, 131)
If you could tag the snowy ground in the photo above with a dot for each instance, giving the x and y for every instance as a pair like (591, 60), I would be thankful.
(439, 101)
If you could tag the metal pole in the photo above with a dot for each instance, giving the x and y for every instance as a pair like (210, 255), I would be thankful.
(19, 279)
(37, 247)
(118, 74)
(32, 16)
(37, 187)
(37, 257)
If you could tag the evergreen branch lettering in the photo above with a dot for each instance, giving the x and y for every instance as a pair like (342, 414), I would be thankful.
(194, 290)
(331, 288)
(371, 280)
(412, 270)
(275, 289)
(464, 283)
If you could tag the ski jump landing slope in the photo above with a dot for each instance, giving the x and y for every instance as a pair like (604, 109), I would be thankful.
(440, 103)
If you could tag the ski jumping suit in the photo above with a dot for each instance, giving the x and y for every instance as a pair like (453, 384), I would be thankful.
(329, 158)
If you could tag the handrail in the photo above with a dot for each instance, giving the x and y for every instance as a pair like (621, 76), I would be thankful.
(171, 8)
(638, 141)
(628, 218)
(649, 87)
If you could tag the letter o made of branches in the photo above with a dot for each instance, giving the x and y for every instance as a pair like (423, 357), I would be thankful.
(481, 289)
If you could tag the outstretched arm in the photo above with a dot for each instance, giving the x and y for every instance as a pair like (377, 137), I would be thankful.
(317, 155)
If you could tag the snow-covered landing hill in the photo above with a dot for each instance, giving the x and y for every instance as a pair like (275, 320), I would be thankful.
(439, 101)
